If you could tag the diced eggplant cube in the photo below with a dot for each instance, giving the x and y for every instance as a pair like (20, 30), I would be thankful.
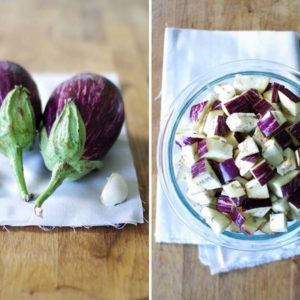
(234, 189)
(215, 149)
(216, 220)
(224, 92)
(241, 122)
(286, 185)
(272, 153)
(203, 173)
(256, 191)
(262, 172)
(278, 222)
(248, 146)
(271, 123)
(246, 82)
(289, 162)
(289, 101)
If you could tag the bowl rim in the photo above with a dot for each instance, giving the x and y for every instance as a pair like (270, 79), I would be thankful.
(180, 104)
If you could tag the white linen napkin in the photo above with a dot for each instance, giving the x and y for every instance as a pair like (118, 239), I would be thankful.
(76, 203)
(187, 53)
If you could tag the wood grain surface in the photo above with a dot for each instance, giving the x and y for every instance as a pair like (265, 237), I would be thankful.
(177, 272)
(73, 36)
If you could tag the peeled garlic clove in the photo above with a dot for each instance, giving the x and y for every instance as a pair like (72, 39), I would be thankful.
(115, 190)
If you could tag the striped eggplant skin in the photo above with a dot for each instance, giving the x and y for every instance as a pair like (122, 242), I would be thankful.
(12, 75)
(100, 105)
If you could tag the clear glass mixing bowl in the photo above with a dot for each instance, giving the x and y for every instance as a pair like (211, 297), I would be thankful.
(167, 152)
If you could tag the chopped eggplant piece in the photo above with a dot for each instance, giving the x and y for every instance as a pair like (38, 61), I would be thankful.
(289, 101)
(272, 153)
(271, 123)
(248, 146)
(263, 172)
(228, 170)
(278, 222)
(234, 189)
(258, 212)
(256, 191)
(289, 162)
(246, 82)
(224, 92)
(189, 154)
(217, 221)
(203, 173)
(286, 185)
(215, 149)
(252, 224)
(241, 122)
(205, 198)
(283, 139)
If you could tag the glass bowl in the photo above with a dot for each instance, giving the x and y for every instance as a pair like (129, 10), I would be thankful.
(167, 152)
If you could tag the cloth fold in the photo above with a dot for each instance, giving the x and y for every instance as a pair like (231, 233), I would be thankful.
(73, 204)
(187, 53)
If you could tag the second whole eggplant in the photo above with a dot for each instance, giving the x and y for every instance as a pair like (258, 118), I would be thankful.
(81, 122)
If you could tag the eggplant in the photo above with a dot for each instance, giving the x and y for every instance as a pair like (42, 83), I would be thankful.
(20, 117)
(81, 122)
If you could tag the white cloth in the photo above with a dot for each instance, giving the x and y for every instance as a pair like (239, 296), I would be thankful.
(187, 53)
(76, 203)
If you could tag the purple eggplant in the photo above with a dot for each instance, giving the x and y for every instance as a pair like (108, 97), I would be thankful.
(81, 122)
(20, 116)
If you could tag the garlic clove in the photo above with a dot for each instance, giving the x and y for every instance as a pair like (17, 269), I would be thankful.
(115, 190)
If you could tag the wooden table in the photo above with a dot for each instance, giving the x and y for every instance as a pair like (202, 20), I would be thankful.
(73, 36)
(177, 272)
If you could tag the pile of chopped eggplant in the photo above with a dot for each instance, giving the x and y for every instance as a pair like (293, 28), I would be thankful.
(240, 156)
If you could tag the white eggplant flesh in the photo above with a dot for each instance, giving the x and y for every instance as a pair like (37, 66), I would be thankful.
(234, 189)
(224, 92)
(248, 146)
(207, 177)
(189, 154)
(291, 106)
(205, 198)
(278, 222)
(281, 206)
(243, 83)
(218, 149)
(252, 224)
(256, 191)
(210, 121)
(258, 212)
(286, 185)
(272, 153)
(289, 162)
(241, 122)
(217, 221)
(266, 228)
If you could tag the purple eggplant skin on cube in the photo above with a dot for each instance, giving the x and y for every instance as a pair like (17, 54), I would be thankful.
(228, 170)
(237, 217)
(275, 88)
(186, 141)
(224, 204)
(263, 172)
(250, 203)
(12, 75)
(196, 110)
(283, 139)
(100, 105)
(268, 124)
(295, 199)
(295, 131)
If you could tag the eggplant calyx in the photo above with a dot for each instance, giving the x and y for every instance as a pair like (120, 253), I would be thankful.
(17, 132)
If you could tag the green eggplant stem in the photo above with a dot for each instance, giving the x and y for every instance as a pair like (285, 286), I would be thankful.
(59, 173)
(16, 160)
